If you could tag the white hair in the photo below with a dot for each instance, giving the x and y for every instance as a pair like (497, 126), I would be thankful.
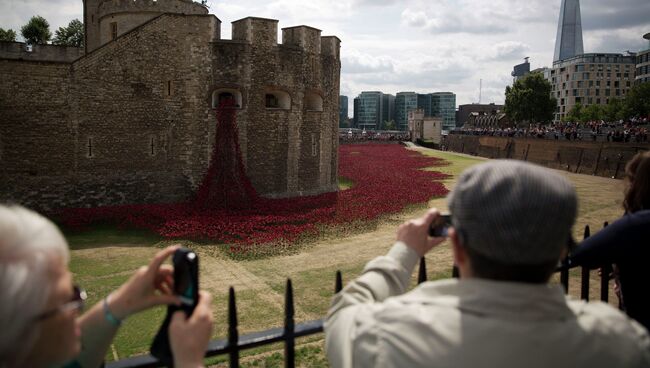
(29, 244)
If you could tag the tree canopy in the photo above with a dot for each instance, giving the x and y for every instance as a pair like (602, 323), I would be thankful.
(637, 101)
(7, 35)
(36, 31)
(528, 100)
(72, 35)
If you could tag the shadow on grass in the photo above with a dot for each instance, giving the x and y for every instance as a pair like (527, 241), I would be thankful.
(106, 235)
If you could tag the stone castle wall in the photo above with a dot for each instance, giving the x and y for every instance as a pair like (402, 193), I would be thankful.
(592, 158)
(132, 122)
(50, 53)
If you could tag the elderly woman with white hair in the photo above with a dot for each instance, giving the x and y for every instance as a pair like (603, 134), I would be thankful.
(40, 306)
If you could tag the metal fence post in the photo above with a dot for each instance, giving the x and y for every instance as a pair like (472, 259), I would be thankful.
(604, 278)
(584, 285)
(289, 325)
(338, 284)
(233, 334)
(422, 272)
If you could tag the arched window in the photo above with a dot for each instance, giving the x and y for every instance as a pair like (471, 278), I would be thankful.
(276, 99)
(313, 102)
(223, 94)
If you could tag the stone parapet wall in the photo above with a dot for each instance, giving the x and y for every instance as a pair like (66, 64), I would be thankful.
(592, 158)
(52, 53)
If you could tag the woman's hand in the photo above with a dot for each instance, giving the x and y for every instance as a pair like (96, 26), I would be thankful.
(189, 337)
(150, 286)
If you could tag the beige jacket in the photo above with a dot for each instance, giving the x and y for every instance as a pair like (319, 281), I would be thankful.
(473, 323)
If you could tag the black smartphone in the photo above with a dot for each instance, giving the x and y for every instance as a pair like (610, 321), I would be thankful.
(440, 225)
(186, 286)
(186, 278)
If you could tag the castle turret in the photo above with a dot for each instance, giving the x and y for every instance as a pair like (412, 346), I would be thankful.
(331, 46)
(307, 38)
(105, 20)
(261, 32)
(91, 24)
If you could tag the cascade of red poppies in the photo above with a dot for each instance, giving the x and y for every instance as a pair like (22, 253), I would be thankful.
(225, 184)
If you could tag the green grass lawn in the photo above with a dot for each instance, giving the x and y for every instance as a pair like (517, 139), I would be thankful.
(104, 257)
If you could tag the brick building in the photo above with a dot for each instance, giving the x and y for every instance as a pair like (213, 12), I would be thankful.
(132, 120)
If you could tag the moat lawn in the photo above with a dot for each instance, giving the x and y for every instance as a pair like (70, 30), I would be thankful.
(103, 258)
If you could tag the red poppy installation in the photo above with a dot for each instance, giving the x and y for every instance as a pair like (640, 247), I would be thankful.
(226, 208)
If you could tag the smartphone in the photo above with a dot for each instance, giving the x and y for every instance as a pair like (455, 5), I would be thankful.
(186, 278)
(440, 225)
(186, 286)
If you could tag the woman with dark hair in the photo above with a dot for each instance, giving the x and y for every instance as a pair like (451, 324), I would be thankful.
(626, 242)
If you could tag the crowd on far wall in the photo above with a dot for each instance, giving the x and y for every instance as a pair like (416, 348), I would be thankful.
(379, 136)
(632, 130)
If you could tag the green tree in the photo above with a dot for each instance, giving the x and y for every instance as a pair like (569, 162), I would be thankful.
(7, 35)
(637, 101)
(575, 114)
(591, 113)
(529, 101)
(614, 110)
(72, 35)
(36, 31)
(389, 125)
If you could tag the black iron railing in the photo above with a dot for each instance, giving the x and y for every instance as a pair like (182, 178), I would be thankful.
(234, 343)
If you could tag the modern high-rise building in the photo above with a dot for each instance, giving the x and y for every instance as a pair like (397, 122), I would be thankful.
(643, 63)
(372, 109)
(343, 110)
(590, 79)
(520, 70)
(404, 101)
(444, 105)
(355, 111)
(569, 31)
(387, 109)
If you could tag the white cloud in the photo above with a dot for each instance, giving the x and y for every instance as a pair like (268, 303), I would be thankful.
(417, 45)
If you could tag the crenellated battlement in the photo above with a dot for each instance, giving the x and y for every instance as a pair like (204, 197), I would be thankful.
(109, 7)
(258, 31)
(331, 46)
(305, 37)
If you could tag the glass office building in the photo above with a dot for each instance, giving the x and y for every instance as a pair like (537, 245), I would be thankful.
(404, 101)
(444, 105)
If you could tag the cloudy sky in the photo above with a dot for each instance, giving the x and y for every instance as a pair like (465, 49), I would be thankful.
(418, 45)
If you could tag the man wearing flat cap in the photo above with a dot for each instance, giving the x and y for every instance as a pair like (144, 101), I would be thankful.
(511, 223)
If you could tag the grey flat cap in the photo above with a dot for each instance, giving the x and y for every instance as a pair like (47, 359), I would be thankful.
(513, 212)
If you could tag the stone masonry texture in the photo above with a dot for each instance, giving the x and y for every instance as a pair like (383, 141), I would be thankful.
(132, 121)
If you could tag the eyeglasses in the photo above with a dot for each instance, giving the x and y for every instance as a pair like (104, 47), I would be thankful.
(76, 303)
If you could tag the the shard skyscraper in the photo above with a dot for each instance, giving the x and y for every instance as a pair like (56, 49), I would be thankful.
(569, 31)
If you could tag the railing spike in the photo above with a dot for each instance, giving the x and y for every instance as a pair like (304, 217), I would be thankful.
(289, 326)
(338, 285)
(233, 333)
(422, 272)
(584, 276)
(604, 282)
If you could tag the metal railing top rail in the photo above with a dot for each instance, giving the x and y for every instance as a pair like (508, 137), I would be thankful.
(234, 343)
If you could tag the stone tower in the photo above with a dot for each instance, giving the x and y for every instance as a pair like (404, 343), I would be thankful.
(105, 20)
(569, 31)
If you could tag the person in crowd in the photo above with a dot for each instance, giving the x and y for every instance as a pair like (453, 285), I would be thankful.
(511, 223)
(624, 243)
(39, 306)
